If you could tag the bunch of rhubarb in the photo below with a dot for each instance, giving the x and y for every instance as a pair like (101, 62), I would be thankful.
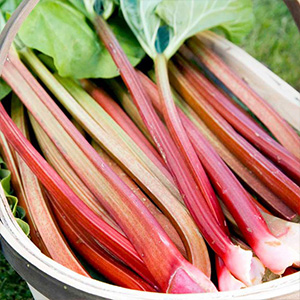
(149, 176)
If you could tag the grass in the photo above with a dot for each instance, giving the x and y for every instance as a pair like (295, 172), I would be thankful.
(272, 41)
(12, 287)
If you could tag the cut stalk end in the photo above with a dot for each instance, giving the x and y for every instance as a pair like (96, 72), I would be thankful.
(185, 282)
(238, 261)
(275, 255)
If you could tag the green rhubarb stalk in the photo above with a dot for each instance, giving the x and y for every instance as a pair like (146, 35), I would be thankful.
(126, 102)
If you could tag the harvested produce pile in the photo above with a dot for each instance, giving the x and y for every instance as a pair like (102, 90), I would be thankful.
(145, 178)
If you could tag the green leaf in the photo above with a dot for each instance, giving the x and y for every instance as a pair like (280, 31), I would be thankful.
(4, 89)
(144, 23)
(24, 226)
(184, 19)
(9, 5)
(62, 32)
(90, 7)
(18, 212)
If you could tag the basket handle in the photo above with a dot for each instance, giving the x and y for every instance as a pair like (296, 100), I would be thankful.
(12, 27)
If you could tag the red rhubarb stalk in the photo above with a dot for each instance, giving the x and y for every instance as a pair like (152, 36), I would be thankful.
(44, 230)
(61, 166)
(236, 259)
(236, 199)
(147, 236)
(268, 197)
(277, 181)
(96, 256)
(266, 114)
(102, 232)
(240, 120)
(271, 200)
(182, 141)
(114, 110)
(195, 246)
(162, 219)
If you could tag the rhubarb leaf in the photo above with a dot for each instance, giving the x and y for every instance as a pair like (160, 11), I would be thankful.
(183, 19)
(18, 212)
(57, 29)
(141, 18)
(9, 5)
(4, 89)
(87, 7)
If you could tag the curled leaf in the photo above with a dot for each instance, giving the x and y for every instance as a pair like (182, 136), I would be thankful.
(183, 19)
(18, 212)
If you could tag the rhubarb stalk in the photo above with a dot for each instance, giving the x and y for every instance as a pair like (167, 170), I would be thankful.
(120, 117)
(61, 166)
(237, 260)
(96, 256)
(236, 199)
(162, 220)
(240, 120)
(102, 232)
(44, 230)
(278, 182)
(174, 210)
(266, 114)
(182, 141)
(173, 274)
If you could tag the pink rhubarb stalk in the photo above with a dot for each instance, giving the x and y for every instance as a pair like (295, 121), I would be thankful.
(114, 110)
(277, 181)
(242, 122)
(266, 114)
(173, 274)
(182, 141)
(226, 282)
(236, 259)
(96, 256)
(236, 199)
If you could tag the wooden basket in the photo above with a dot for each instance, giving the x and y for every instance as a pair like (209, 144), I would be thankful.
(50, 280)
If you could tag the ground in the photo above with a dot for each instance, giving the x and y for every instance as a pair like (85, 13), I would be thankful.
(274, 41)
